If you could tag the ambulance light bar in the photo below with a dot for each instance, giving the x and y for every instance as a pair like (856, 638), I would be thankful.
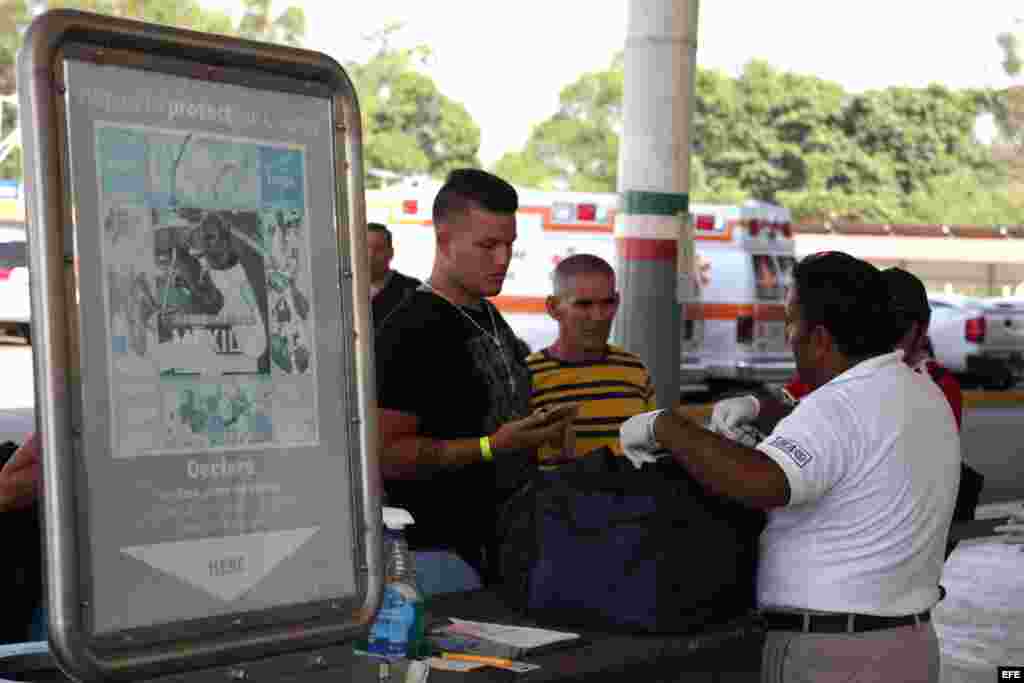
(586, 212)
(565, 213)
(704, 221)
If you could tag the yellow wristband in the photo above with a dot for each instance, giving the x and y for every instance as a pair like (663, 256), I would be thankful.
(485, 448)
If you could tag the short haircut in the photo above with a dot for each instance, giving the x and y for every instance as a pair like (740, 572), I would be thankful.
(577, 264)
(380, 227)
(909, 299)
(466, 187)
(849, 298)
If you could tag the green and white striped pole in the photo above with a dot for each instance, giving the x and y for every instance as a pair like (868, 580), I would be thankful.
(654, 177)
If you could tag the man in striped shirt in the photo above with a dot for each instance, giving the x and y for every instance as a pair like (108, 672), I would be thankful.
(609, 383)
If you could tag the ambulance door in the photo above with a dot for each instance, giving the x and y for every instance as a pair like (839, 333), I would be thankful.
(726, 298)
(717, 283)
(692, 366)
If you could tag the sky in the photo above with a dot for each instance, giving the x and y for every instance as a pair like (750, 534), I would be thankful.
(507, 61)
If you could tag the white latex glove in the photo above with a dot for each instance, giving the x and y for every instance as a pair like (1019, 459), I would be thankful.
(637, 437)
(732, 413)
(1013, 531)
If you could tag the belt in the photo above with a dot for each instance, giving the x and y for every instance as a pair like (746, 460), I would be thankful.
(837, 623)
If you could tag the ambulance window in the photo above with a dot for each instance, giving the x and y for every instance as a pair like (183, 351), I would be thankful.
(13, 254)
(768, 282)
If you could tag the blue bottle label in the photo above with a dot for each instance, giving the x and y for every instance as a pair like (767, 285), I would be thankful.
(396, 618)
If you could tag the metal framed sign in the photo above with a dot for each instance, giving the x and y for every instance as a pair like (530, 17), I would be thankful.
(201, 314)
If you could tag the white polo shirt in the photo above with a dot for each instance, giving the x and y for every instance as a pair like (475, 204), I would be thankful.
(873, 463)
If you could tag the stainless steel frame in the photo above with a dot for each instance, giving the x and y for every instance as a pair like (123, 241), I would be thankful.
(59, 403)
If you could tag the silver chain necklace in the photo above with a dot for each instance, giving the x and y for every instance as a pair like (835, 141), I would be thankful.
(493, 336)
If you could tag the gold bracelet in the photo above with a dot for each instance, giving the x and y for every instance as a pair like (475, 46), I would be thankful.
(485, 448)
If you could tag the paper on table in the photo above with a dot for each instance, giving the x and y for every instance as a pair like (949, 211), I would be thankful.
(522, 637)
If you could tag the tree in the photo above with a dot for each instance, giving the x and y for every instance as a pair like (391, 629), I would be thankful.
(409, 126)
(1008, 108)
(578, 147)
(1010, 44)
(526, 170)
(766, 131)
(289, 28)
(888, 155)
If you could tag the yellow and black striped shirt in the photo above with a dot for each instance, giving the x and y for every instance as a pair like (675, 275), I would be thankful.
(609, 392)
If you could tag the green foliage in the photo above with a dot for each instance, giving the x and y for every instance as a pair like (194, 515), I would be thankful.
(895, 155)
(526, 170)
(409, 126)
(289, 28)
(578, 147)
(1010, 45)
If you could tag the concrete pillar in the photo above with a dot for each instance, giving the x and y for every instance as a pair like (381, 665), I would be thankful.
(653, 241)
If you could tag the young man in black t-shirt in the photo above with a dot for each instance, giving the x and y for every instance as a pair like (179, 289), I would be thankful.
(456, 434)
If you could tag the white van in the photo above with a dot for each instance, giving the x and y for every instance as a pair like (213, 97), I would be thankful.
(733, 313)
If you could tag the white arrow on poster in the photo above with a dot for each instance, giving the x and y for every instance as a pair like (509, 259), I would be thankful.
(224, 567)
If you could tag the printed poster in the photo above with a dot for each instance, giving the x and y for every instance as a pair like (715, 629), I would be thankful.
(205, 251)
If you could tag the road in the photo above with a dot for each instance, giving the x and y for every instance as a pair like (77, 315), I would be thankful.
(993, 442)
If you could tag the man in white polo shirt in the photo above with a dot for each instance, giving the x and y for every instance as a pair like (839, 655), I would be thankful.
(859, 483)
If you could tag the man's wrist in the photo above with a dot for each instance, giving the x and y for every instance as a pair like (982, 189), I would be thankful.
(496, 443)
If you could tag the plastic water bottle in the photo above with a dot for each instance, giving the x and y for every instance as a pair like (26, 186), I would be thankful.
(399, 626)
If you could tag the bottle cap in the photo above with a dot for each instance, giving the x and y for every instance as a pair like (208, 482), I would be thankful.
(396, 519)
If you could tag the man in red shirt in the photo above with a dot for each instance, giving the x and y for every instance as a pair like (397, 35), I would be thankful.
(909, 297)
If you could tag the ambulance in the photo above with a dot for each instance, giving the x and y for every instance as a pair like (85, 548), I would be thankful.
(734, 324)
(732, 296)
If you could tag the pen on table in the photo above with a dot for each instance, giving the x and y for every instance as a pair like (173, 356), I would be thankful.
(480, 659)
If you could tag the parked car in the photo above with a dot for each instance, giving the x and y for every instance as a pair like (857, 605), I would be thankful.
(15, 310)
(980, 340)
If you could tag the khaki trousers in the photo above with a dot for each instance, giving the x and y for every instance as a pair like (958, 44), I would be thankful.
(907, 654)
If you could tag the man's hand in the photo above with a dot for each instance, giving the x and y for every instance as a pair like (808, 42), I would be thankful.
(21, 476)
(731, 413)
(1013, 531)
(637, 438)
(539, 428)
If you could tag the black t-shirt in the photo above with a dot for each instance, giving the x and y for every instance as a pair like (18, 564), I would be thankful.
(393, 295)
(433, 362)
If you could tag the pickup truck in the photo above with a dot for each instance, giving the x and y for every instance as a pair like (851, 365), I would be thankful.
(980, 340)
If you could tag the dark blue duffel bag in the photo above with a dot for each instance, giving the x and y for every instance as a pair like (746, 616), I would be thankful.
(601, 545)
